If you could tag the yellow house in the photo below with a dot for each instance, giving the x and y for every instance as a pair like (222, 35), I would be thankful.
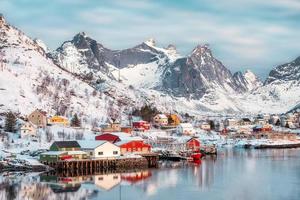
(175, 119)
(59, 120)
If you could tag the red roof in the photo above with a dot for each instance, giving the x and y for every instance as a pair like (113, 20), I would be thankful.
(108, 137)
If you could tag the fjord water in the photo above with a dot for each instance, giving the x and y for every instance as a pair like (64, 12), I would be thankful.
(233, 174)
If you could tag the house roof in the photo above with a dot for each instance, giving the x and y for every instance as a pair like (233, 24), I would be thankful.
(186, 125)
(53, 153)
(66, 144)
(246, 119)
(76, 152)
(161, 116)
(126, 141)
(90, 144)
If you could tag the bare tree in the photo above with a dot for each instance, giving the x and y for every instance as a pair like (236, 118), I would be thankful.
(49, 135)
(79, 135)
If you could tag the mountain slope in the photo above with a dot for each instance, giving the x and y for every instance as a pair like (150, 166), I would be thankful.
(195, 74)
(247, 81)
(30, 80)
(83, 76)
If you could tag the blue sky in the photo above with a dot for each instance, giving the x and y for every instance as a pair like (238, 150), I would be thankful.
(243, 34)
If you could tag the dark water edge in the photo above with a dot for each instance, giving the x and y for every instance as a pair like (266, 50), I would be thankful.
(234, 174)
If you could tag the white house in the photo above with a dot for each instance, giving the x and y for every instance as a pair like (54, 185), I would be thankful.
(28, 129)
(185, 129)
(230, 122)
(205, 126)
(99, 148)
(160, 120)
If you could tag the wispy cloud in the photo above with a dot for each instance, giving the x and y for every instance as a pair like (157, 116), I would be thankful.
(251, 33)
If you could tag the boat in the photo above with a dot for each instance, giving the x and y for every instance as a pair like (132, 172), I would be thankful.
(196, 156)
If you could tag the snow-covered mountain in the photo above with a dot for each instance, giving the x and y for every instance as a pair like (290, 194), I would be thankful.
(83, 76)
(286, 72)
(247, 81)
(279, 93)
(200, 72)
(30, 80)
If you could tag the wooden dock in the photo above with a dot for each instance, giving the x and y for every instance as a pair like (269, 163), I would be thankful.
(148, 160)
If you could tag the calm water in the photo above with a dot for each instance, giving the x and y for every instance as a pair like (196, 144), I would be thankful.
(234, 174)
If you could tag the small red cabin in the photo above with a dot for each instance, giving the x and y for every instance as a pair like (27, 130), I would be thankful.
(108, 137)
(193, 144)
(141, 125)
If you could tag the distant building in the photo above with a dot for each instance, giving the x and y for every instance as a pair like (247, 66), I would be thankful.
(99, 149)
(28, 129)
(175, 119)
(140, 126)
(185, 129)
(192, 144)
(111, 126)
(65, 146)
(38, 118)
(160, 120)
(229, 122)
(205, 126)
(245, 121)
(59, 120)
(260, 121)
(274, 119)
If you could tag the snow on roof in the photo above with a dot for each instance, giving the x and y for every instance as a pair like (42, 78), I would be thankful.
(186, 125)
(126, 136)
(161, 116)
(76, 152)
(123, 142)
(54, 153)
(90, 144)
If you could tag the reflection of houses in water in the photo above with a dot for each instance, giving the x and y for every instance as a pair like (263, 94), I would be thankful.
(107, 181)
(206, 173)
(62, 184)
(134, 177)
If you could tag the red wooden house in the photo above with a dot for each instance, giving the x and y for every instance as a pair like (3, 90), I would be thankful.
(133, 146)
(193, 144)
(141, 125)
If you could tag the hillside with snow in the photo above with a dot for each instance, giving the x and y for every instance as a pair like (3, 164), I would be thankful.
(30, 80)
(82, 76)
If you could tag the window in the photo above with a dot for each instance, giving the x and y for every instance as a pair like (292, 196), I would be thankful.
(100, 178)
(115, 177)
(91, 153)
(115, 152)
(100, 153)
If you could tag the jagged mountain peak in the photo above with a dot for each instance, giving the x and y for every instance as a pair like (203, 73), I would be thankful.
(285, 72)
(246, 81)
(171, 47)
(2, 19)
(150, 42)
(201, 50)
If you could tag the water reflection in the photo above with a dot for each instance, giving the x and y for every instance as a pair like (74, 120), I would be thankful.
(233, 174)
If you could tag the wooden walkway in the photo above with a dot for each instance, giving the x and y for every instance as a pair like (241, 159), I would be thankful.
(146, 161)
